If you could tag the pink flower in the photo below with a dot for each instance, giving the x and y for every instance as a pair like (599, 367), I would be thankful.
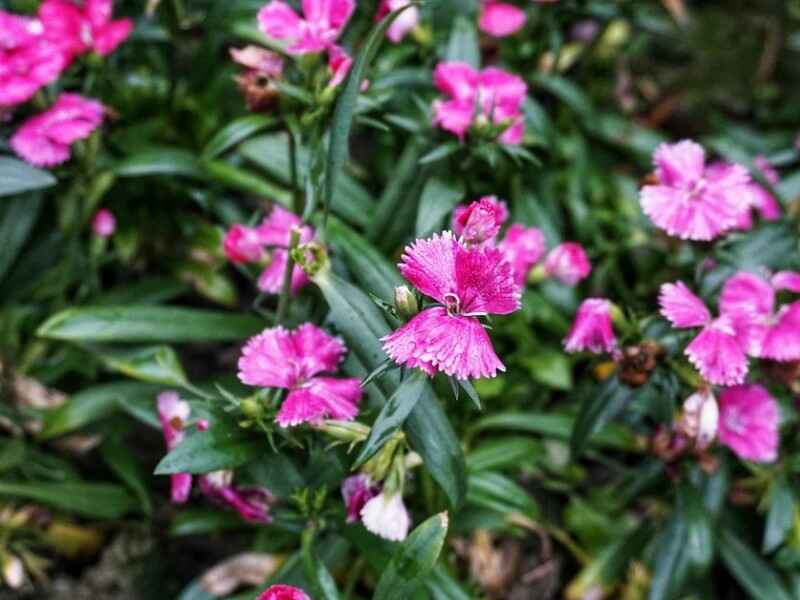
(786, 280)
(28, 59)
(323, 24)
(592, 330)
(751, 300)
(275, 233)
(252, 503)
(293, 360)
(718, 351)
(243, 244)
(264, 62)
(748, 423)
(283, 592)
(692, 201)
(491, 96)
(44, 140)
(80, 28)
(500, 19)
(479, 221)
(357, 490)
(468, 282)
(568, 263)
(386, 516)
(104, 224)
(522, 247)
(760, 198)
(174, 414)
(339, 63)
(404, 23)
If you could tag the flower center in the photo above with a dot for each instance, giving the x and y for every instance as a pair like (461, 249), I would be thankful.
(697, 189)
(452, 304)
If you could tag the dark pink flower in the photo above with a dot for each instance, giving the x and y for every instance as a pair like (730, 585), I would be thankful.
(568, 263)
(479, 221)
(770, 334)
(243, 244)
(44, 140)
(468, 282)
(275, 233)
(404, 23)
(748, 422)
(283, 592)
(719, 350)
(174, 415)
(692, 201)
(293, 360)
(252, 503)
(78, 28)
(500, 19)
(357, 490)
(104, 224)
(28, 59)
(523, 247)
(491, 96)
(592, 330)
(321, 25)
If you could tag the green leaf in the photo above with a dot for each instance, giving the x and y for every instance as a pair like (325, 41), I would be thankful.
(12, 452)
(17, 177)
(124, 464)
(440, 152)
(770, 245)
(152, 364)
(413, 560)
(463, 45)
(569, 93)
(503, 452)
(223, 446)
(17, 218)
(699, 535)
(392, 416)
(342, 120)
(93, 500)
(494, 491)
(148, 324)
(465, 385)
(669, 545)
(439, 197)
(599, 408)
(202, 521)
(92, 404)
(160, 161)
(750, 570)
(236, 132)
(551, 368)
(781, 515)
(245, 181)
(151, 290)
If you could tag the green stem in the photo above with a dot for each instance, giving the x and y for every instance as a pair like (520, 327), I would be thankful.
(283, 301)
(296, 208)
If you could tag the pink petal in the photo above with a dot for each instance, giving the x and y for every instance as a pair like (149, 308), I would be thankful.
(786, 280)
(271, 278)
(321, 398)
(568, 263)
(767, 205)
(283, 592)
(679, 165)
(485, 282)
(435, 341)
(277, 20)
(252, 503)
(316, 350)
(98, 12)
(38, 150)
(429, 265)
(403, 24)
(109, 37)
(104, 223)
(515, 132)
(681, 307)
(243, 244)
(481, 220)
(458, 80)
(270, 360)
(781, 341)
(180, 487)
(276, 229)
(339, 62)
(357, 490)
(592, 330)
(718, 353)
(523, 247)
(501, 91)
(455, 116)
(499, 19)
(748, 424)
(330, 15)
(746, 293)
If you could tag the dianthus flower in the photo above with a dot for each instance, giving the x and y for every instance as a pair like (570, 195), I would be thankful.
(357, 490)
(44, 140)
(691, 200)
(699, 419)
(283, 592)
(174, 416)
(500, 19)
(479, 221)
(321, 25)
(468, 282)
(522, 247)
(293, 360)
(592, 330)
(719, 350)
(252, 503)
(488, 97)
(403, 24)
(387, 516)
(748, 422)
(568, 263)
(257, 83)
(78, 28)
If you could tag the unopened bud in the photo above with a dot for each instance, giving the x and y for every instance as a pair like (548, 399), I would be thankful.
(312, 257)
(251, 408)
(405, 302)
(345, 431)
(700, 418)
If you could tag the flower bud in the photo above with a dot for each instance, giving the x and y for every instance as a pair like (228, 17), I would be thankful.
(700, 418)
(104, 224)
(251, 408)
(312, 257)
(13, 572)
(345, 431)
(405, 302)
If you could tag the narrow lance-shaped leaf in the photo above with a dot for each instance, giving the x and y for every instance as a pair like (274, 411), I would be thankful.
(17, 177)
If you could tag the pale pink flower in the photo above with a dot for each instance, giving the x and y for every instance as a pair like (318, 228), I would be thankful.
(357, 490)
(252, 503)
(523, 247)
(748, 422)
(386, 516)
(174, 415)
(692, 201)
(568, 263)
(592, 330)
(262, 61)
(491, 96)
(699, 419)
(28, 59)
(104, 223)
(44, 140)
(719, 350)
(293, 360)
(275, 233)
(283, 592)
(321, 25)
(243, 244)
(78, 28)
(403, 24)
(479, 221)
(770, 334)
(500, 19)
(468, 282)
